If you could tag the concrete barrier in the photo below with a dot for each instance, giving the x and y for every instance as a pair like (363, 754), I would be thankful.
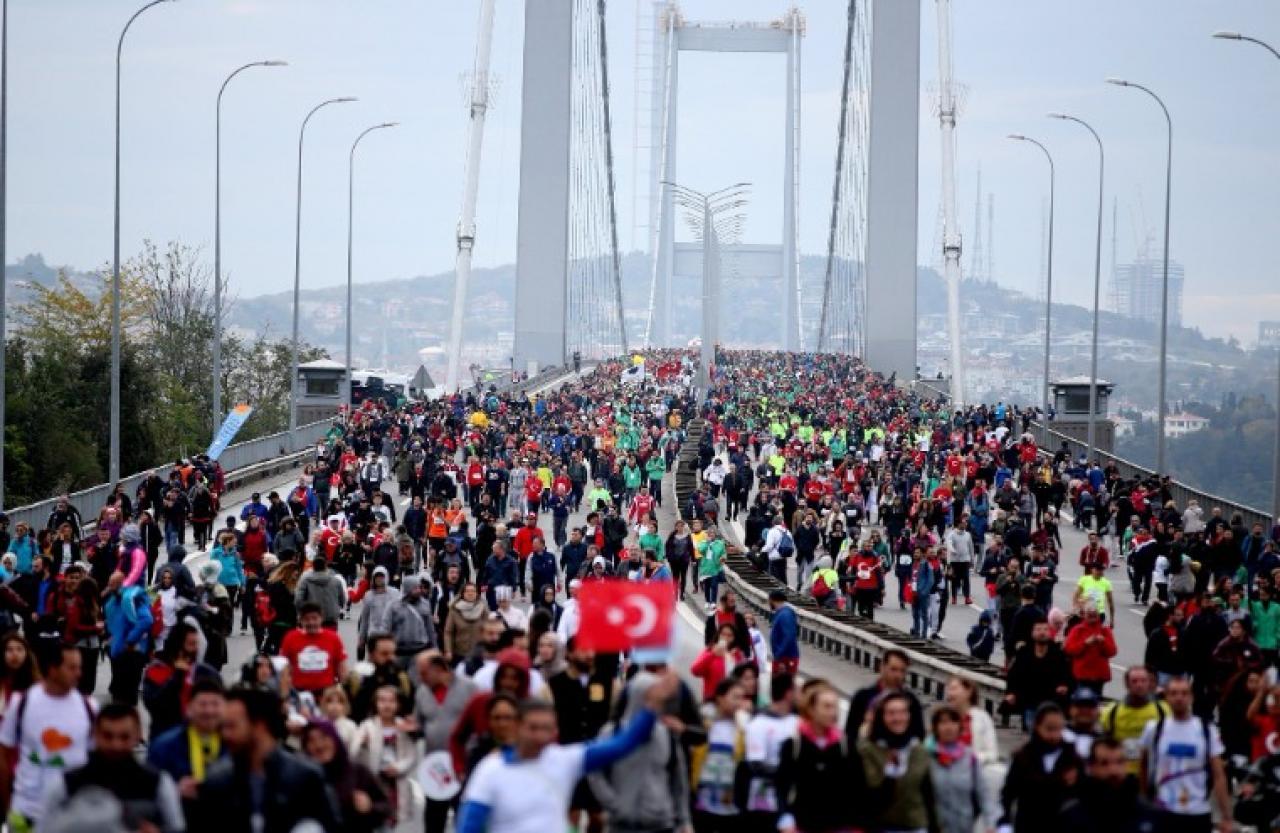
(840, 633)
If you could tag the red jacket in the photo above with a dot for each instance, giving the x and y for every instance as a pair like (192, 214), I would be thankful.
(712, 669)
(523, 544)
(1090, 661)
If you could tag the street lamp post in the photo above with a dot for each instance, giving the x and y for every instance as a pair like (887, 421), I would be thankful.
(113, 463)
(1275, 483)
(1162, 406)
(1097, 291)
(1048, 291)
(217, 242)
(297, 275)
(351, 212)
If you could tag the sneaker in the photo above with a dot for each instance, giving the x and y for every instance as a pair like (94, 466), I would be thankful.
(936, 635)
(968, 600)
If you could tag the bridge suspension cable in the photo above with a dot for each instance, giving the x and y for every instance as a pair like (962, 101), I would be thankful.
(841, 326)
(596, 322)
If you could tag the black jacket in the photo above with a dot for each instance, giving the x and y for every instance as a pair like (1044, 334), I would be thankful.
(1099, 808)
(1034, 680)
(581, 711)
(294, 792)
(1032, 798)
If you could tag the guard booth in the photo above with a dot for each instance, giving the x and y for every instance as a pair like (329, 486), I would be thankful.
(321, 385)
(1071, 411)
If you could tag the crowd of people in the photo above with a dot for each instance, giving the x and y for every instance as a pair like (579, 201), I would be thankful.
(411, 600)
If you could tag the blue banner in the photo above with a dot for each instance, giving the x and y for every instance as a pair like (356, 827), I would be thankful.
(230, 427)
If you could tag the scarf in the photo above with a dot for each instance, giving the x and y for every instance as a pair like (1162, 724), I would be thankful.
(819, 738)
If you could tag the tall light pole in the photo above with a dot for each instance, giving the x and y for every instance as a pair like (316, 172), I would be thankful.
(1162, 407)
(113, 463)
(1048, 292)
(217, 241)
(1275, 474)
(467, 221)
(951, 241)
(1097, 290)
(297, 275)
(708, 207)
(351, 213)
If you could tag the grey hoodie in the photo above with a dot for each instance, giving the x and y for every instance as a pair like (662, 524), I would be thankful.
(325, 589)
(373, 613)
(409, 621)
(648, 789)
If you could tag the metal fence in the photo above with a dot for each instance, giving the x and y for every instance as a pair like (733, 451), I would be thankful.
(236, 457)
(1050, 441)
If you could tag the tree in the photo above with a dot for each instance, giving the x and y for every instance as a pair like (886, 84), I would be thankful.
(59, 379)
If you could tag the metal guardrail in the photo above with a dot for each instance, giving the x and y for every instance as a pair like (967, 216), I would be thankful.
(841, 633)
(1050, 441)
(240, 462)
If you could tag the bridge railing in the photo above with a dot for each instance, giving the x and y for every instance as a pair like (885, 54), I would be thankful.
(1050, 441)
(241, 462)
(856, 641)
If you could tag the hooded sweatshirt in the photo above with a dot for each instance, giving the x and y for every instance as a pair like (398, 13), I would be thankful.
(325, 588)
(373, 613)
(645, 790)
(409, 620)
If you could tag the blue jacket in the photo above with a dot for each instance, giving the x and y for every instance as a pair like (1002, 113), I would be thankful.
(542, 566)
(232, 574)
(25, 549)
(128, 615)
(170, 752)
(784, 634)
(256, 508)
(500, 572)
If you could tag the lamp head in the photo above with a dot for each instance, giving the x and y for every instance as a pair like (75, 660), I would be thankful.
(275, 63)
(1227, 35)
(390, 124)
(1119, 82)
(1059, 116)
(1018, 136)
(346, 99)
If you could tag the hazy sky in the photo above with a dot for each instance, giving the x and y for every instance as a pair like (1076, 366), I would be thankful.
(407, 60)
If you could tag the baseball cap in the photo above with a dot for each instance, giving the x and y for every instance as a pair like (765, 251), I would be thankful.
(1084, 696)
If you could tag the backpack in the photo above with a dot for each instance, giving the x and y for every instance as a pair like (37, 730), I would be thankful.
(820, 589)
(786, 545)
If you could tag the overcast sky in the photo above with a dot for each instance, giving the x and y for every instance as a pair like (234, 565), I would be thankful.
(407, 60)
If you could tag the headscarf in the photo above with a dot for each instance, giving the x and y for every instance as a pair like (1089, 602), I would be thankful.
(338, 771)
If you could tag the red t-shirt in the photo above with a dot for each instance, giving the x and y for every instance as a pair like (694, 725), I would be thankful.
(314, 658)
(1264, 736)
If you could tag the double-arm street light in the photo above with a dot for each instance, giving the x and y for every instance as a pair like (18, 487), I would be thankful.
(1162, 406)
(1275, 487)
(351, 213)
(297, 274)
(113, 464)
(217, 241)
(1097, 291)
(712, 208)
(1048, 290)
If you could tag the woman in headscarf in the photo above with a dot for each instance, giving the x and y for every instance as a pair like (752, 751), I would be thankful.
(896, 766)
(647, 791)
(361, 800)
(819, 774)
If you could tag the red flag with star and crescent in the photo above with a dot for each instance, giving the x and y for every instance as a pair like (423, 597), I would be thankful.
(618, 615)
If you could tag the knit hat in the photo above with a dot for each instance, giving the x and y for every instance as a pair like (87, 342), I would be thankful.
(131, 535)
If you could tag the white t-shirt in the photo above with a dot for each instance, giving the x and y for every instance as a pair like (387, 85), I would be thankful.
(527, 796)
(55, 738)
(1179, 764)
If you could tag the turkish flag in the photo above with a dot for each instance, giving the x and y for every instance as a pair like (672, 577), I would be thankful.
(618, 615)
